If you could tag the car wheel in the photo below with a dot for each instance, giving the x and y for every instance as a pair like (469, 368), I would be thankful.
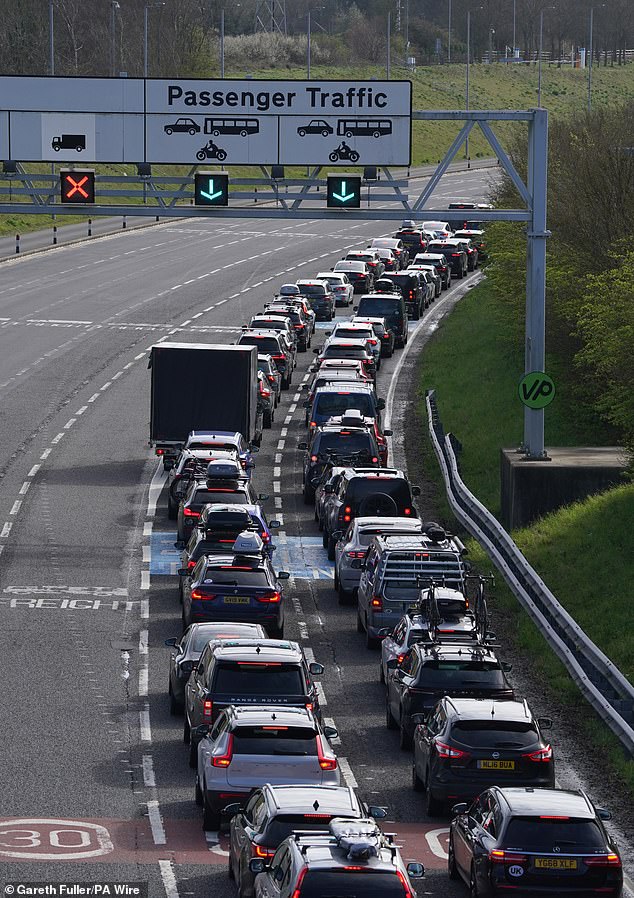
(371, 642)
(198, 793)
(390, 723)
(186, 731)
(175, 708)
(405, 740)
(324, 539)
(230, 872)
(473, 883)
(344, 596)
(276, 632)
(268, 420)
(381, 673)
(332, 542)
(211, 819)
(359, 623)
(452, 870)
(433, 806)
(309, 495)
(417, 784)
(169, 132)
(193, 754)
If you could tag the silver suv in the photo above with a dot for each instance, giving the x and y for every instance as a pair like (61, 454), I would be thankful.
(352, 858)
(396, 568)
(250, 746)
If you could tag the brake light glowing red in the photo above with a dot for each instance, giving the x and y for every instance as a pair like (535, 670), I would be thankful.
(272, 598)
(226, 759)
(160, 451)
(208, 708)
(313, 458)
(377, 603)
(498, 856)
(190, 513)
(355, 554)
(326, 762)
(542, 754)
(446, 751)
(406, 889)
(603, 860)
(407, 511)
(298, 890)
(191, 564)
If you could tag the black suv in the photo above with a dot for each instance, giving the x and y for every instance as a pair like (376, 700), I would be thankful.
(297, 319)
(469, 744)
(272, 344)
(414, 240)
(320, 298)
(247, 672)
(237, 587)
(272, 813)
(333, 444)
(456, 256)
(534, 841)
(350, 859)
(414, 293)
(390, 306)
(199, 493)
(427, 673)
(362, 492)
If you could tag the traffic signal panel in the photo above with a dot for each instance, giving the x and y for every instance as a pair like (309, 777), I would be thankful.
(77, 185)
(211, 188)
(344, 191)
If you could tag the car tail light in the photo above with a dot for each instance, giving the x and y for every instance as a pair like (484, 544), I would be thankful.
(407, 511)
(377, 603)
(374, 459)
(190, 513)
(411, 294)
(265, 537)
(326, 762)
(191, 564)
(202, 596)
(224, 760)
(271, 378)
(407, 892)
(400, 657)
(386, 336)
(208, 709)
(160, 451)
(313, 458)
(278, 358)
(446, 751)
(372, 342)
(310, 706)
(603, 860)
(355, 554)
(456, 255)
(300, 327)
(499, 856)
(258, 851)
(270, 598)
(542, 754)
(297, 892)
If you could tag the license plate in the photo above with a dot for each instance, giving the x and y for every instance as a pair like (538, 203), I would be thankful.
(496, 765)
(556, 863)
(237, 600)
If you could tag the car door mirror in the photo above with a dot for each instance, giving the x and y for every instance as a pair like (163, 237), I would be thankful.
(278, 873)
(604, 814)
(262, 497)
(254, 449)
(183, 572)
(172, 642)
(544, 723)
(460, 808)
(256, 865)
(380, 404)
(316, 668)
(329, 489)
(179, 544)
(377, 813)
(329, 333)
(317, 350)
(506, 667)
(274, 525)
(415, 871)
(306, 403)
(388, 433)
(415, 491)
(303, 445)
(283, 575)
(201, 731)
(337, 534)
(392, 664)
(419, 719)
(330, 732)
(231, 810)
(384, 632)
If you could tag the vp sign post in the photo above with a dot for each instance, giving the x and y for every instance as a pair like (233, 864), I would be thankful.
(536, 390)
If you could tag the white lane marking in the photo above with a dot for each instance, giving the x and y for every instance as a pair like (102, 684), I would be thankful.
(145, 580)
(56, 439)
(24, 488)
(281, 444)
(283, 431)
(156, 822)
(17, 505)
(278, 501)
(144, 723)
(197, 315)
(93, 397)
(303, 629)
(287, 419)
(145, 609)
(80, 411)
(220, 302)
(34, 470)
(278, 461)
(322, 695)
(45, 454)
(433, 840)
(277, 472)
(149, 779)
(185, 323)
(147, 554)
(348, 775)
(143, 642)
(147, 528)
(277, 488)
(156, 485)
(169, 880)
(117, 375)
(139, 356)
(6, 530)
(143, 682)
(70, 423)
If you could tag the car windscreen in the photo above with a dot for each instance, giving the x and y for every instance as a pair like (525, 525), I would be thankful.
(380, 307)
(462, 673)
(264, 344)
(352, 883)
(343, 443)
(234, 576)
(246, 678)
(274, 740)
(495, 733)
(329, 404)
(312, 289)
(207, 496)
(542, 834)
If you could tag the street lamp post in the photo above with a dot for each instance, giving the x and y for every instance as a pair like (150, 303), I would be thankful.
(590, 52)
(466, 143)
(51, 37)
(514, 4)
(449, 35)
(147, 7)
(539, 60)
(114, 6)
(222, 42)
(315, 9)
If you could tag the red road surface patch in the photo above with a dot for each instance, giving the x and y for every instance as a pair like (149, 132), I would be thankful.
(107, 841)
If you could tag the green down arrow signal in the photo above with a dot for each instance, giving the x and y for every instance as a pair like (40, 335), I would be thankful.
(211, 195)
(343, 196)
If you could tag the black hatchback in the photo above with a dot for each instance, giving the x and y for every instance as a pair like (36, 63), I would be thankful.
(534, 842)
(409, 283)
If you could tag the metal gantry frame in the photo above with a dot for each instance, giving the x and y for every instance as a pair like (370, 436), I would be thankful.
(299, 198)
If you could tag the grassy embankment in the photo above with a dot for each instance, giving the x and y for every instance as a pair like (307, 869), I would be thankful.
(434, 87)
(585, 551)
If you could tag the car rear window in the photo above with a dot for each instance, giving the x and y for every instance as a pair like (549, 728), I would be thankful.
(226, 447)
(461, 673)
(233, 576)
(396, 487)
(330, 404)
(202, 636)
(282, 826)
(264, 344)
(541, 834)
(354, 333)
(380, 307)
(344, 352)
(344, 442)
(346, 883)
(207, 496)
(261, 679)
(312, 289)
(273, 740)
(495, 733)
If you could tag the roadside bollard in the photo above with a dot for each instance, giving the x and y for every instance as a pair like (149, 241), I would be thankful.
(54, 235)
(256, 194)
(17, 243)
(90, 227)
(157, 218)
(124, 223)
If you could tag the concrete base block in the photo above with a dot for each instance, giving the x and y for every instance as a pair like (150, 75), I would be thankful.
(531, 489)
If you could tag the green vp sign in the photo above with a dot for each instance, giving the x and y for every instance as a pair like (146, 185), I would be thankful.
(536, 390)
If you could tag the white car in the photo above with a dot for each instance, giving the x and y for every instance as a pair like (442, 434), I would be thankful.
(249, 746)
(351, 548)
(340, 286)
(356, 330)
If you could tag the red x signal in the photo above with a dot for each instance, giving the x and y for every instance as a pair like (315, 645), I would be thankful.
(77, 186)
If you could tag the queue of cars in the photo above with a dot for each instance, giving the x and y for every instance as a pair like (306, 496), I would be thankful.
(263, 755)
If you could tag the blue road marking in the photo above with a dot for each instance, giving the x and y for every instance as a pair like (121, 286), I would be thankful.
(302, 556)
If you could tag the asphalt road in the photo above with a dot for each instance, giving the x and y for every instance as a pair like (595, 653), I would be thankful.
(96, 785)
